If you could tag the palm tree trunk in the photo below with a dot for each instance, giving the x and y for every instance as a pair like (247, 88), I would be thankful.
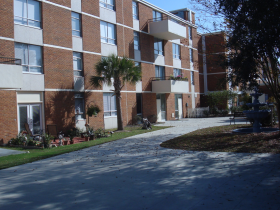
(119, 110)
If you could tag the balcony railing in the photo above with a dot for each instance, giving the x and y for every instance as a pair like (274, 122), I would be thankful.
(12, 61)
(179, 78)
(167, 18)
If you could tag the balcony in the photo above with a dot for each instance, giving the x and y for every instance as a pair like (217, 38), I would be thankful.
(167, 29)
(11, 73)
(170, 85)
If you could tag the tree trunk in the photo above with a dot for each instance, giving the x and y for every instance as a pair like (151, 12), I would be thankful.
(278, 114)
(119, 110)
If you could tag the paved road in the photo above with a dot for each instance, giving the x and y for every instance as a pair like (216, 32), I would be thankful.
(135, 173)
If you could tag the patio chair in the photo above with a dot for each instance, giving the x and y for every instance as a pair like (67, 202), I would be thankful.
(26, 125)
(52, 130)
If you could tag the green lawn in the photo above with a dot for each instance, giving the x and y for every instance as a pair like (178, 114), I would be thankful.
(221, 139)
(39, 154)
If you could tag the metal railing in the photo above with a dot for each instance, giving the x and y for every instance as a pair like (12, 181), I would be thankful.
(179, 78)
(167, 18)
(198, 112)
(12, 61)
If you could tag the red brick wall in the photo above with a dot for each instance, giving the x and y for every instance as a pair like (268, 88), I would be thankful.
(129, 108)
(125, 41)
(91, 34)
(91, 7)
(196, 82)
(57, 28)
(201, 83)
(149, 104)
(8, 113)
(193, 18)
(170, 106)
(147, 47)
(185, 57)
(186, 41)
(58, 68)
(6, 19)
(168, 53)
(216, 82)
(95, 98)
(168, 71)
(186, 99)
(196, 38)
(200, 63)
(195, 60)
(145, 13)
(215, 43)
(66, 3)
(60, 109)
(7, 48)
(124, 12)
(215, 63)
(148, 71)
(89, 61)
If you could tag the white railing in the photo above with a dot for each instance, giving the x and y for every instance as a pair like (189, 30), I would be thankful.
(198, 112)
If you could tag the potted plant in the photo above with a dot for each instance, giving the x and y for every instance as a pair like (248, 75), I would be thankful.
(86, 137)
(47, 140)
(93, 110)
(91, 133)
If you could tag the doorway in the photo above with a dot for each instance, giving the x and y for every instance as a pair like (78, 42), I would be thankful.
(161, 107)
(31, 114)
(178, 106)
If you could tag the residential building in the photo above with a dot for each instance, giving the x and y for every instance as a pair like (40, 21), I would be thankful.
(48, 50)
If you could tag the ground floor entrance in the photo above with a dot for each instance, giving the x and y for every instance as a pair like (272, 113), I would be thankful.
(32, 115)
(161, 107)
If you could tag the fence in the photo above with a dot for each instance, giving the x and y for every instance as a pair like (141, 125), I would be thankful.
(198, 112)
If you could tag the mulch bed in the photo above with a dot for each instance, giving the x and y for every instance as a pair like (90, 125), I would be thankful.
(221, 139)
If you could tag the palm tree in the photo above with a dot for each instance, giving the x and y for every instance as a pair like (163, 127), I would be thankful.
(121, 70)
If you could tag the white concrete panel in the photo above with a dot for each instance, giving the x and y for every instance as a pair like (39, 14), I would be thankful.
(29, 35)
(107, 15)
(190, 42)
(135, 25)
(77, 43)
(111, 122)
(11, 76)
(108, 49)
(167, 30)
(139, 86)
(191, 65)
(170, 86)
(108, 88)
(76, 6)
(33, 82)
(159, 60)
(27, 97)
(79, 83)
(177, 63)
(177, 41)
(81, 124)
(137, 55)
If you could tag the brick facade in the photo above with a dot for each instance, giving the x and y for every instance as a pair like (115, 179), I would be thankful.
(7, 19)
(91, 34)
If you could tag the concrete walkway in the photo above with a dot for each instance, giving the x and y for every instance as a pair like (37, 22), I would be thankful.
(6, 152)
(136, 173)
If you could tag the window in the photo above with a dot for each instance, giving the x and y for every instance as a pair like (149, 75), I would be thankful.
(157, 16)
(135, 10)
(27, 12)
(190, 33)
(160, 74)
(31, 57)
(158, 48)
(177, 72)
(136, 41)
(139, 103)
(79, 106)
(77, 64)
(76, 24)
(192, 78)
(108, 34)
(109, 103)
(107, 4)
(176, 51)
(191, 55)
(180, 14)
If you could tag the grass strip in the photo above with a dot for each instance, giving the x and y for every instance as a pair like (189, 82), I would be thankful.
(221, 139)
(39, 154)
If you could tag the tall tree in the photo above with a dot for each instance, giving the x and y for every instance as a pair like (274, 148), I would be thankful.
(116, 71)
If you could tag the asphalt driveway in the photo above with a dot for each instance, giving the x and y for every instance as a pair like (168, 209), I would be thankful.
(136, 173)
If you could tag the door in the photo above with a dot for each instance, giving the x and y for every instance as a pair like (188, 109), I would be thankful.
(161, 107)
(31, 114)
(158, 110)
(178, 106)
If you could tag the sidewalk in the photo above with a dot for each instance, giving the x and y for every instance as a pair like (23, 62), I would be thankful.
(136, 173)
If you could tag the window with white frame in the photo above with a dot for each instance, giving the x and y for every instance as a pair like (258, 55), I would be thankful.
(190, 33)
(109, 104)
(177, 72)
(158, 46)
(27, 12)
(136, 41)
(76, 24)
(176, 51)
(192, 78)
(77, 64)
(31, 57)
(191, 55)
(79, 106)
(135, 10)
(157, 16)
(160, 73)
(108, 32)
(110, 4)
